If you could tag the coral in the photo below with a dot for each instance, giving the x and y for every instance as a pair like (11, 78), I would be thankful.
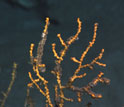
(39, 68)
(5, 94)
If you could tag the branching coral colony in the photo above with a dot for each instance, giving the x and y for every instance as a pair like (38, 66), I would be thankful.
(39, 67)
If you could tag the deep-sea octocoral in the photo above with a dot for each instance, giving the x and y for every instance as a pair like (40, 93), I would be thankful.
(39, 68)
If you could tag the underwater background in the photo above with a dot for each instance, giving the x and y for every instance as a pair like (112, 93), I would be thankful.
(22, 23)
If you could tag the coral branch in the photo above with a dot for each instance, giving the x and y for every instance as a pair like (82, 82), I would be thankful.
(34, 82)
(37, 61)
(72, 39)
(5, 94)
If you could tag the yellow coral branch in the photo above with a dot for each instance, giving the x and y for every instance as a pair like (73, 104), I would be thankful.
(76, 76)
(61, 40)
(75, 60)
(46, 26)
(79, 96)
(54, 51)
(76, 35)
(69, 42)
(90, 43)
(95, 61)
(31, 84)
(38, 87)
(99, 57)
(31, 49)
(46, 88)
(87, 49)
